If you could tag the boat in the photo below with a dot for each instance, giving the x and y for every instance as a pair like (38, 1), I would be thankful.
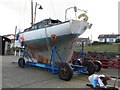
(42, 36)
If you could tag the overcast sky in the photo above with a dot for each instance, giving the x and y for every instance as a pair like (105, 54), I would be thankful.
(103, 14)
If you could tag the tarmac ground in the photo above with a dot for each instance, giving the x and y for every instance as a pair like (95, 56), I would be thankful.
(34, 77)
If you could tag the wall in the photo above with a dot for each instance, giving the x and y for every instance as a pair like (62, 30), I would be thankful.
(107, 40)
(0, 45)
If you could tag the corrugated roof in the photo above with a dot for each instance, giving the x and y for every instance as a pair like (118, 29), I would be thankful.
(108, 35)
(10, 36)
(82, 39)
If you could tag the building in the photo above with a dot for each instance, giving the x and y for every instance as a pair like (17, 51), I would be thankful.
(86, 41)
(11, 37)
(14, 43)
(4, 45)
(108, 37)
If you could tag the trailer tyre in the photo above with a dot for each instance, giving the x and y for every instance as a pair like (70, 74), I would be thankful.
(21, 62)
(76, 62)
(98, 66)
(90, 67)
(105, 67)
(65, 71)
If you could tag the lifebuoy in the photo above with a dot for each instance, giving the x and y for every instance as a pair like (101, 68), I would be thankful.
(53, 37)
(83, 15)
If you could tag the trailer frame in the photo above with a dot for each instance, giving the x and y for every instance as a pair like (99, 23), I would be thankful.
(75, 69)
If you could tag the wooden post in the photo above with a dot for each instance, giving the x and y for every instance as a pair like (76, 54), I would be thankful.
(15, 53)
(15, 36)
(19, 52)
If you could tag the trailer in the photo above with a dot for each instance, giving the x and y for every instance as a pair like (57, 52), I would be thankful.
(64, 70)
(79, 59)
(101, 61)
(106, 63)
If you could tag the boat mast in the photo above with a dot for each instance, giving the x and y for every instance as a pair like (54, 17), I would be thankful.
(31, 12)
(40, 7)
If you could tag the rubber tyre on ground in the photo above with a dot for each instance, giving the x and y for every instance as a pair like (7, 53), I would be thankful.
(65, 71)
(90, 67)
(105, 67)
(76, 62)
(98, 66)
(21, 62)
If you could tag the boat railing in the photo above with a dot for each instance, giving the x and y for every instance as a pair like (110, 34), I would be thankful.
(75, 10)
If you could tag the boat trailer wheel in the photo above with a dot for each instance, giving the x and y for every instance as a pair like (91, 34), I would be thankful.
(90, 67)
(98, 66)
(21, 62)
(65, 72)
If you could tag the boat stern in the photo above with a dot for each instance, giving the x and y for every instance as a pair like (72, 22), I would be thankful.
(79, 27)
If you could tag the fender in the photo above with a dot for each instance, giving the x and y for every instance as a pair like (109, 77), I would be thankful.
(83, 15)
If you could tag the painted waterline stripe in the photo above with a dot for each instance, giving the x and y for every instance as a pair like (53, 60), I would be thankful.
(61, 36)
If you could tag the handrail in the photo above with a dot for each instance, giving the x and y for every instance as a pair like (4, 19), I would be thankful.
(75, 10)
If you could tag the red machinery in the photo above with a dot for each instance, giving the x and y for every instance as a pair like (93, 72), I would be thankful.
(105, 63)
(79, 61)
(115, 63)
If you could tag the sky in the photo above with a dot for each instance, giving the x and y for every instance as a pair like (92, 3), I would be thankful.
(103, 14)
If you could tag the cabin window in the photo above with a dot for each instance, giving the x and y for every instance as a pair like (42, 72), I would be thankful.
(54, 21)
(35, 27)
(39, 26)
(32, 28)
(42, 25)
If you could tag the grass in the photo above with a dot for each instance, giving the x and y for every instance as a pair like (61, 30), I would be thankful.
(99, 48)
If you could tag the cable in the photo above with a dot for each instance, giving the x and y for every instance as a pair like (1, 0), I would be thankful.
(24, 14)
(48, 43)
(53, 8)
